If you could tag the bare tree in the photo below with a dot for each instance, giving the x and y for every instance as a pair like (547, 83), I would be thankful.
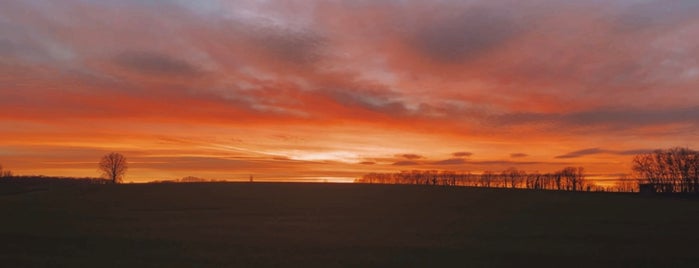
(113, 166)
(5, 173)
(582, 182)
(573, 179)
(671, 170)
(533, 180)
(513, 176)
(486, 178)
(625, 184)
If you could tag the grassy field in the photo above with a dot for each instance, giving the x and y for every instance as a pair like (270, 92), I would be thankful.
(340, 225)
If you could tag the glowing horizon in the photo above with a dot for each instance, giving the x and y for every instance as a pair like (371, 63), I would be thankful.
(337, 89)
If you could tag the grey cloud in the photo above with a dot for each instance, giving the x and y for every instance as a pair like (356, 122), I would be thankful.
(203, 7)
(656, 13)
(379, 98)
(618, 118)
(297, 47)
(466, 35)
(452, 161)
(518, 155)
(28, 45)
(13, 48)
(410, 156)
(581, 153)
(593, 151)
(462, 154)
(377, 101)
(635, 152)
(154, 64)
(635, 117)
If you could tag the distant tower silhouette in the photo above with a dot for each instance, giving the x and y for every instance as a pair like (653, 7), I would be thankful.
(250, 178)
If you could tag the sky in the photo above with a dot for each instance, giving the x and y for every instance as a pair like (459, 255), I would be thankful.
(331, 90)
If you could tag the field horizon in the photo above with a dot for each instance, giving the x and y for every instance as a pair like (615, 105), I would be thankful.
(340, 225)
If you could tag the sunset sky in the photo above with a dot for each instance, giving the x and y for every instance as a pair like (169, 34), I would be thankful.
(335, 89)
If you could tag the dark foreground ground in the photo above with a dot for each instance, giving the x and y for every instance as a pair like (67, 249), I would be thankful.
(346, 225)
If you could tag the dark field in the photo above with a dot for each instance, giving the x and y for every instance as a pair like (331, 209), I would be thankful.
(328, 225)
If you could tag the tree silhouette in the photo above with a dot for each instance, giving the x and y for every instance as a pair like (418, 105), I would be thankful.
(486, 178)
(5, 173)
(670, 170)
(569, 179)
(573, 179)
(113, 167)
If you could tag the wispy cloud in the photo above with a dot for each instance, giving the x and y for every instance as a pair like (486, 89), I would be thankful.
(410, 156)
(462, 154)
(451, 161)
(594, 151)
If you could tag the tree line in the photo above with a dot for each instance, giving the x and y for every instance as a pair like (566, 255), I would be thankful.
(674, 170)
(113, 167)
(567, 179)
(52, 180)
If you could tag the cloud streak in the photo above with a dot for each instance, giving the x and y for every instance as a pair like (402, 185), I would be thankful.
(595, 151)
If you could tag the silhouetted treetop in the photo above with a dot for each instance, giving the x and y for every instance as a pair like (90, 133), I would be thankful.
(113, 167)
